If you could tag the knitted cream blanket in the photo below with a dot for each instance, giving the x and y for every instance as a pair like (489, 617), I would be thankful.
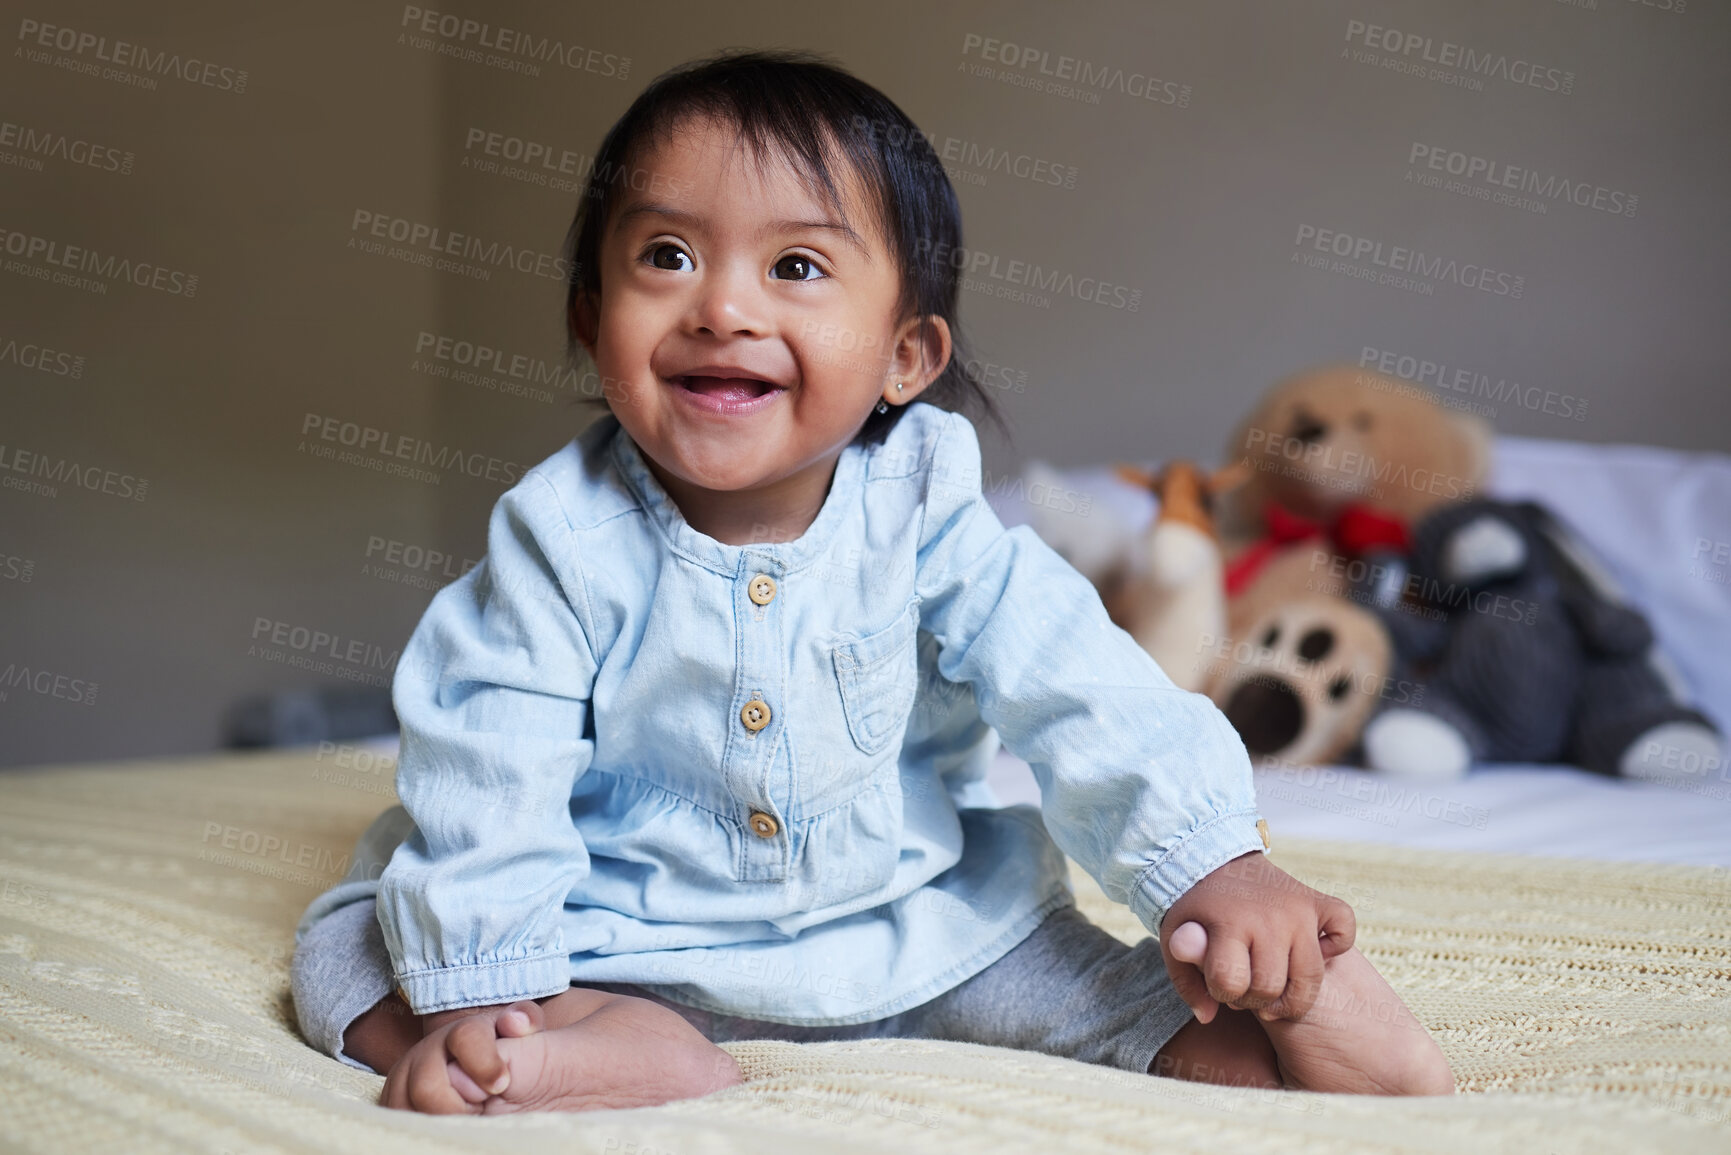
(146, 918)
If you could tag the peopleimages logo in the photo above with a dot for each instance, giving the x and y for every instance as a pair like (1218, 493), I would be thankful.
(1345, 469)
(397, 454)
(1469, 383)
(30, 355)
(53, 471)
(1068, 76)
(1020, 280)
(431, 240)
(1461, 65)
(87, 48)
(1486, 178)
(36, 252)
(481, 358)
(323, 644)
(971, 161)
(464, 39)
(47, 683)
(389, 560)
(1396, 265)
(36, 144)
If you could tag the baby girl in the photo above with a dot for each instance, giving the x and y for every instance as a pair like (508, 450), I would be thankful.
(697, 753)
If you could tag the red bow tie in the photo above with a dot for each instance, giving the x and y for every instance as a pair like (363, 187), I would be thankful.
(1359, 529)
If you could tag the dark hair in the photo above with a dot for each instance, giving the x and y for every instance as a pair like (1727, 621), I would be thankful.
(800, 104)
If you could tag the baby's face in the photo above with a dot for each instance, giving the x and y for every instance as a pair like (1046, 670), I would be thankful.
(712, 271)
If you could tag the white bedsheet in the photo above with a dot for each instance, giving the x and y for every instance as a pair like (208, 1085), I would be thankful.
(1660, 520)
(1557, 811)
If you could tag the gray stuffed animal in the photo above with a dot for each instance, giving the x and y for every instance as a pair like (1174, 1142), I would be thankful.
(1528, 652)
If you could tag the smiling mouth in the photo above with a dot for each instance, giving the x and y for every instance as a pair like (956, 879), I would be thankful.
(726, 388)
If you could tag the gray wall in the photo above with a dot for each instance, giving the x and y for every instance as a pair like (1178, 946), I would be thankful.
(1270, 123)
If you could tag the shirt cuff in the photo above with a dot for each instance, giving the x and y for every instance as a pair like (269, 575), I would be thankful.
(485, 984)
(1202, 851)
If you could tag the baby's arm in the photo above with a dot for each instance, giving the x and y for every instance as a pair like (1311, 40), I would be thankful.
(492, 692)
(1146, 786)
(1253, 937)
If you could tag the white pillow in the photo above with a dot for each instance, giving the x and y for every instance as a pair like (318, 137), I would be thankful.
(1657, 518)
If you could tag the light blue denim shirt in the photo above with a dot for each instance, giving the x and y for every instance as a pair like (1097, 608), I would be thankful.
(751, 777)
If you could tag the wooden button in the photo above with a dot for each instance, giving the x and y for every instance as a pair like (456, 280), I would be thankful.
(1262, 829)
(764, 825)
(755, 714)
(762, 589)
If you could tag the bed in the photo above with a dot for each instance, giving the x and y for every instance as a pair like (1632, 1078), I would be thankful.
(148, 912)
(1581, 988)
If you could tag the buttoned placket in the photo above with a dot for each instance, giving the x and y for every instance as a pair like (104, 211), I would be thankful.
(755, 763)
(753, 743)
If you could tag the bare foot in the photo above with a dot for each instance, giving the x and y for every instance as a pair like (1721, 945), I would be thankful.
(1231, 1050)
(624, 1052)
(1358, 1038)
(383, 1034)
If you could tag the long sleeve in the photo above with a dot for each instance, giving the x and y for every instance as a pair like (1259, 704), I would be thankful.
(1144, 785)
(492, 693)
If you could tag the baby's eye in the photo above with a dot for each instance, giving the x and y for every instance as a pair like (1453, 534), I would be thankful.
(805, 265)
(655, 257)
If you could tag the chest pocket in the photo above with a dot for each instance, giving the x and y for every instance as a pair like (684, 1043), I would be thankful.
(877, 675)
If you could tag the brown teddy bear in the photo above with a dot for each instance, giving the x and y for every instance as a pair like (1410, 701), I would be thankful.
(1305, 670)
(1342, 462)
(1256, 583)
(1346, 448)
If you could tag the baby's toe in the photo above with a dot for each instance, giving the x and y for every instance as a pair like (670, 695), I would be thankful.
(475, 1048)
(465, 1086)
(520, 1019)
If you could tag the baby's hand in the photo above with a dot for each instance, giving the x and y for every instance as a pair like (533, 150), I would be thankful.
(1253, 937)
(456, 1067)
